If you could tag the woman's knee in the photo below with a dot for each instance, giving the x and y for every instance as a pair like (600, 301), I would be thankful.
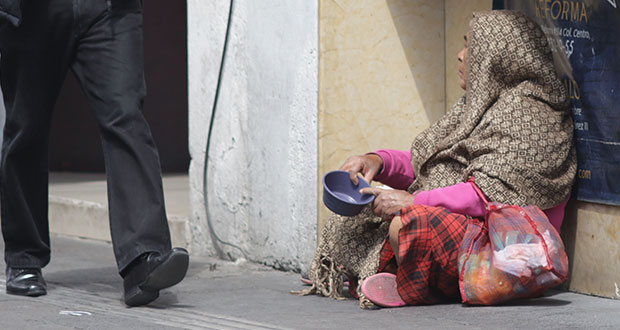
(395, 227)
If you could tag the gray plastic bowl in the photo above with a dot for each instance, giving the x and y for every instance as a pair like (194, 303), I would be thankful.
(342, 196)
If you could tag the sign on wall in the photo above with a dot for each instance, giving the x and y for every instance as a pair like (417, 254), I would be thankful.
(587, 32)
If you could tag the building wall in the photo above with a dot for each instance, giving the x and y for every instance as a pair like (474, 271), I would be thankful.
(591, 233)
(262, 169)
(458, 14)
(381, 76)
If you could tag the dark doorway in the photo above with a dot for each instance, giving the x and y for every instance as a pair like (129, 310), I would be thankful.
(75, 144)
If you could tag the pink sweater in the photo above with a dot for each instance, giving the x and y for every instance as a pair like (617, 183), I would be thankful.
(461, 198)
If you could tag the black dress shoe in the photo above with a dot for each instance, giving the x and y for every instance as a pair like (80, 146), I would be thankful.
(152, 272)
(25, 282)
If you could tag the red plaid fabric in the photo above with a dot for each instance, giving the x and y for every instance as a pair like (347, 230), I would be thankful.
(429, 244)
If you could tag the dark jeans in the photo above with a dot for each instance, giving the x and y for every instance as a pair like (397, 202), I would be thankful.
(101, 41)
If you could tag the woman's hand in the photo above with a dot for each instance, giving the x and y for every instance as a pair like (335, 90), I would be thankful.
(369, 165)
(388, 202)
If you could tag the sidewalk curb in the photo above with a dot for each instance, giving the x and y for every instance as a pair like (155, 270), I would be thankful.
(78, 218)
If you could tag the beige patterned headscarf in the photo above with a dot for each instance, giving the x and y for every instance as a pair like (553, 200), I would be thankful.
(511, 131)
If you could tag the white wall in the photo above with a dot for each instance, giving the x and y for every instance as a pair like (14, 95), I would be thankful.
(263, 160)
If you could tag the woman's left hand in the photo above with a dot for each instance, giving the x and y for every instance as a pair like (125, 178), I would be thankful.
(389, 202)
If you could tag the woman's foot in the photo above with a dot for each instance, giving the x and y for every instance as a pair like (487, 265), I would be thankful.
(381, 290)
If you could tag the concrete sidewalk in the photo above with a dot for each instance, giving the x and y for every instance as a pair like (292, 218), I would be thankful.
(78, 206)
(85, 293)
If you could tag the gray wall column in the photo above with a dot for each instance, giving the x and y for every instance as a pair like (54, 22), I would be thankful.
(263, 159)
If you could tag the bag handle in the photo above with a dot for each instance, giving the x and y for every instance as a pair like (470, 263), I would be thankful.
(478, 191)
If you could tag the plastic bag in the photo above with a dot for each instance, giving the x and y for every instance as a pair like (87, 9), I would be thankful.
(514, 253)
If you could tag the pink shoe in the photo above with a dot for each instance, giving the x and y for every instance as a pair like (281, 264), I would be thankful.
(381, 290)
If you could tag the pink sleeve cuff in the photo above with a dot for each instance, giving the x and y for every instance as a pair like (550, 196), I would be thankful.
(397, 171)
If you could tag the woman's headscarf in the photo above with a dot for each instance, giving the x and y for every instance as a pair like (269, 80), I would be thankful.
(512, 130)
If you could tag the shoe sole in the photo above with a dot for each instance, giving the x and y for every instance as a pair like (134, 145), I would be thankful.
(381, 289)
(168, 273)
(27, 293)
(164, 276)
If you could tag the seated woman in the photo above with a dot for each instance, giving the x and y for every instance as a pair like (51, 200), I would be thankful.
(511, 132)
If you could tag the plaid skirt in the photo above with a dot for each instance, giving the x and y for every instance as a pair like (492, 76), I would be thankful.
(428, 244)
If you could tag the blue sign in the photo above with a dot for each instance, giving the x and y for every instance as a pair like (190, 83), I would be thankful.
(585, 39)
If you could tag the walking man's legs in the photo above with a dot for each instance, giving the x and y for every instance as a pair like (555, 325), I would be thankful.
(103, 41)
(109, 64)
